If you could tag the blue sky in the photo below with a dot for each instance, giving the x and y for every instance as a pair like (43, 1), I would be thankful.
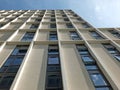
(99, 13)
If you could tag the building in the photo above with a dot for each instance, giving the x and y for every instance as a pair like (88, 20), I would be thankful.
(56, 50)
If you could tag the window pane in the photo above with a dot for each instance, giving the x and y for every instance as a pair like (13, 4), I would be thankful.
(54, 81)
(117, 57)
(53, 60)
(98, 80)
(9, 61)
(87, 59)
(13, 69)
(84, 52)
(17, 61)
(34, 26)
(103, 88)
(53, 51)
(52, 25)
(55, 68)
(69, 25)
(22, 51)
(91, 67)
(6, 81)
(3, 69)
(15, 51)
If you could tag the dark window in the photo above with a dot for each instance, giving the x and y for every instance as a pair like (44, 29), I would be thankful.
(52, 19)
(9, 61)
(94, 72)
(69, 25)
(11, 66)
(74, 35)
(113, 51)
(53, 25)
(34, 26)
(53, 50)
(79, 19)
(52, 15)
(12, 69)
(53, 35)
(40, 16)
(19, 51)
(75, 15)
(85, 25)
(53, 77)
(28, 36)
(54, 81)
(17, 61)
(54, 68)
(64, 16)
(1, 25)
(66, 19)
(96, 35)
(38, 20)
(6, 81)
(115, 33)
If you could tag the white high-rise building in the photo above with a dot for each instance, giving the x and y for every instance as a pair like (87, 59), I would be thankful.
(56, 50)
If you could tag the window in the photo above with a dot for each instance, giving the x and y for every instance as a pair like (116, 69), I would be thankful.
(53, 59)
(28, 36)
(12, 69)
(85, 25)
(103, 88)
(34, 26)
(79, 19)
(6, 82)
(96, 35)
(54, 68)
(94, 72)
(115, 33)
(11, 66)
(52, 25)
(1, 25)
(52, 19)
(117, 57)
(74, 35)
(69, 25)
(113, 51)
(38, 20)
(53, 77)
(87, 59)
(9, 61)
(52, 15)
(66, 19)
(54, 81)
(40, 16)
(98, 80)
(75, 15)
(53, 35)
(18, 51)
(64, 16)
(17, 61)
(53, 51)
(91, 67)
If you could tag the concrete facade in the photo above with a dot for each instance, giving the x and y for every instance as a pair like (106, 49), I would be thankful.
(32, 71)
